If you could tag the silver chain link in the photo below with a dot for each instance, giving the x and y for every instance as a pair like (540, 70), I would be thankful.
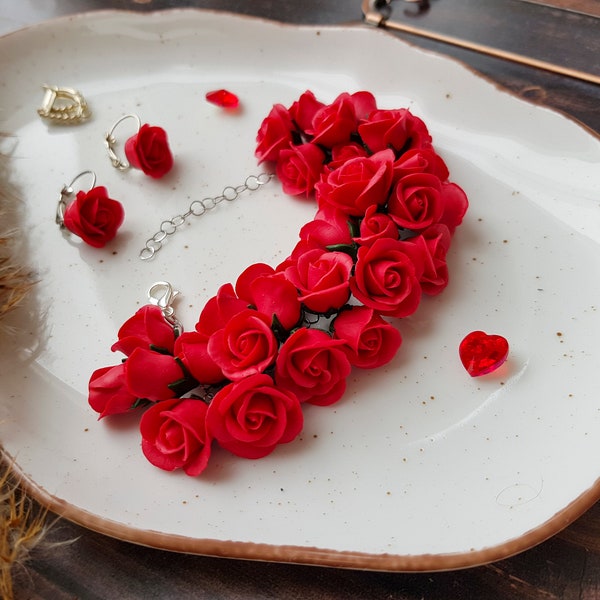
(197, 208)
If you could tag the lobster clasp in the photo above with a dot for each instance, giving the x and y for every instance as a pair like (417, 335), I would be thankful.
(162, 294)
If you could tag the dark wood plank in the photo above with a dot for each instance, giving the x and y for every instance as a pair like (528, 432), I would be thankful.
(95, 566)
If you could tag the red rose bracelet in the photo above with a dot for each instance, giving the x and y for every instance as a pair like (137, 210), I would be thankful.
(286, 336)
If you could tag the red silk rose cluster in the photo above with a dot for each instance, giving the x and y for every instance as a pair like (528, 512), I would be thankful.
(286, 336)
(383, 197)
(240, 377)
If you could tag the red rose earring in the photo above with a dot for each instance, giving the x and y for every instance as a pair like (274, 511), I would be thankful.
(91, 215)
(147, 150)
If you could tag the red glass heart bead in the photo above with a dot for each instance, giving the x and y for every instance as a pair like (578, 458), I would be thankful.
(481, 353)
(223, 98)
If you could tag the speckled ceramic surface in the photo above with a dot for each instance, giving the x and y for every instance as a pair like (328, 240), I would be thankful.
(419, 466)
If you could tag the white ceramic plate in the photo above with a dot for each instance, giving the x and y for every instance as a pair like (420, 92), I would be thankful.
(419, 466)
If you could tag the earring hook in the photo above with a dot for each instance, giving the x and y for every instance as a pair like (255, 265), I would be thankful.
(67, 191)
(110, 142)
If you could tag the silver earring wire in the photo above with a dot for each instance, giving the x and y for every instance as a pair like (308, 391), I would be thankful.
(110, 141)
(66, 192)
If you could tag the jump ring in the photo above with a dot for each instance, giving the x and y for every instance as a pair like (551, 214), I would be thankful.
(168, 227)
(264, 178)
(252, 183)
(147, 253)
(154, 245)
(195, 210)
(230, 193)
(177, 221)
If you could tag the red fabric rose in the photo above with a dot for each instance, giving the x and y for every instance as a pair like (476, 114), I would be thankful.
(416, 201)
(304, 109)
(270, 293)
(370, 340)
(433, 244)
(245, 346)
(302, 247)
(358, 184)
(364, 104)
(322, 279)
(386, 277)
(192, 349)
(275, 133)
(329, 228)
(334, 123)
(108, 391)
(397, 129)
(219, 309)
(174, 435)
(94, 217)
(320, 234)
(299, 168)
(149, 151)
(455, 205)
(145, 329)
(344, 152)
(149, 374)
(374, 226)
(244, 282)
(420, 160)
(330, 122)
(313, 366)
(251, 417)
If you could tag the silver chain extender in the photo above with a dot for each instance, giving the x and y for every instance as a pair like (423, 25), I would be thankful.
(197, 208)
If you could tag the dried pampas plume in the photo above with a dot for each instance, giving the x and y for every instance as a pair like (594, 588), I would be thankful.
(22, 521)
(15, 279)
(22, 527)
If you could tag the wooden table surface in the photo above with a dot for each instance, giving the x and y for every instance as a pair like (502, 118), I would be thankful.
(566, 566)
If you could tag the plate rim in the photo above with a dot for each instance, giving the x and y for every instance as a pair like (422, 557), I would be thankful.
(357, 25)
(308, 555)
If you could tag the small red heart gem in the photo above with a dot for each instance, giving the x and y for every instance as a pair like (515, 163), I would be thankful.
(223, 98)
(481, 353)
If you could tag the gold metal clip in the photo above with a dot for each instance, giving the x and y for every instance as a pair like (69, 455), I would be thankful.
(64, 106)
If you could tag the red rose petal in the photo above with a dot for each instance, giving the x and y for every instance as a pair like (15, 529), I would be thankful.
(223, 98)
(481, 353)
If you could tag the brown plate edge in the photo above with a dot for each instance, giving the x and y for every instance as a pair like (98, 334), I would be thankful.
(305, 555)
